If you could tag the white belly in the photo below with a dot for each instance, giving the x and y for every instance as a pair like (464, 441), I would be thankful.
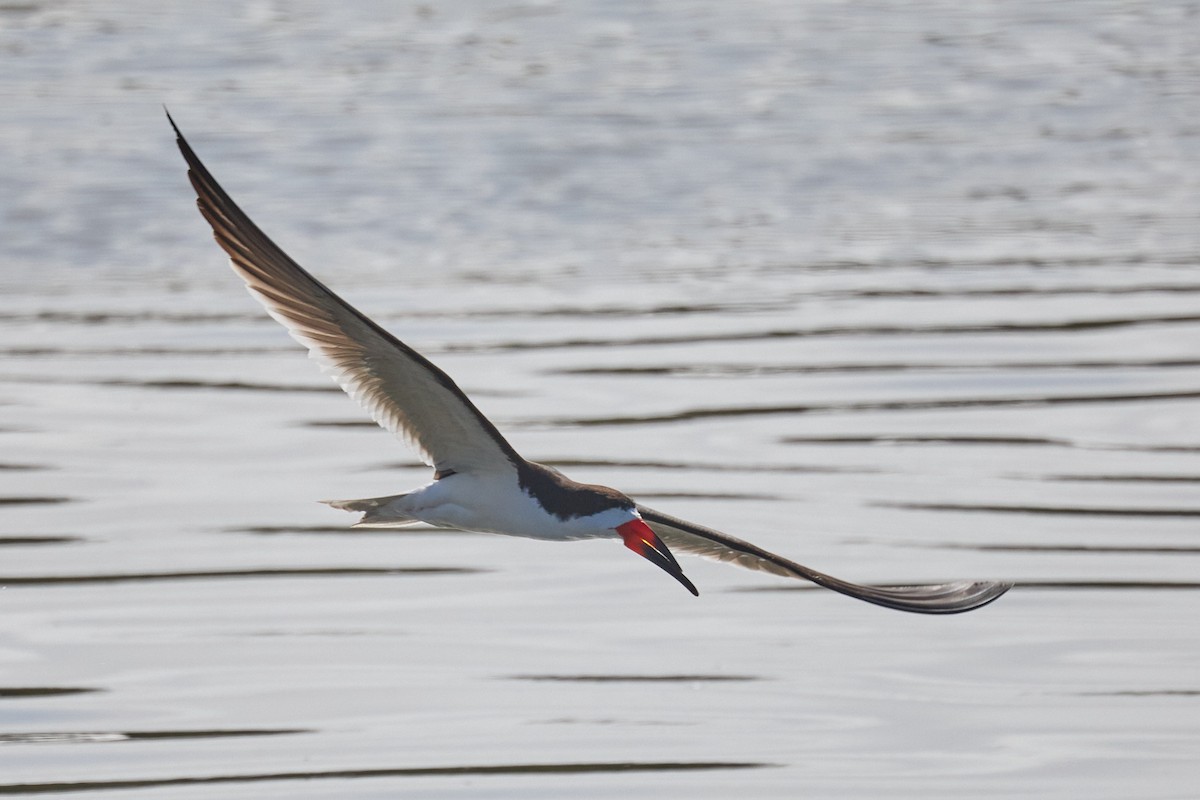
(497, 504)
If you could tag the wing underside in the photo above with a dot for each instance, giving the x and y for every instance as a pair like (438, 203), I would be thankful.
(400, 388)
(946, 598)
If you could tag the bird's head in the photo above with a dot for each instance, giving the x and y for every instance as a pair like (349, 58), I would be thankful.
(641, 539)
(591, 510)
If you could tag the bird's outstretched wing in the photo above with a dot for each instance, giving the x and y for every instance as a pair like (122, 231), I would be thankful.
(401, 389)
(947, 598)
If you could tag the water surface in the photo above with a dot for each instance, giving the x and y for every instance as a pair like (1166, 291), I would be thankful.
(905, 292)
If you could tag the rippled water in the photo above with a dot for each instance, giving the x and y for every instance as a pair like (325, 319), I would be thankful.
(906, 292)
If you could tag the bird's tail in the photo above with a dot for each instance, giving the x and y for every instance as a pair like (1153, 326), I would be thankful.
(377, 512)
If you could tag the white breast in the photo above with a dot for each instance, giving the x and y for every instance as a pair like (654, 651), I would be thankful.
(496, 504)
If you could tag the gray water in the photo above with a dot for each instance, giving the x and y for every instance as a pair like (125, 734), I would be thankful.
(906, 292)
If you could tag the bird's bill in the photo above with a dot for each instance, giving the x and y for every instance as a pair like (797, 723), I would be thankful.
(642, 540)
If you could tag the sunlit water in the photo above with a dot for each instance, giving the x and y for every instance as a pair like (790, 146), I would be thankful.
(904, 292)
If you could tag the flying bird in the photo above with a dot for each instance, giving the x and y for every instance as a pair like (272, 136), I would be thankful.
(480, 482)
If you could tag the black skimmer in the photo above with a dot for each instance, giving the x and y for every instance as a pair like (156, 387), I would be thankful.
(480, 482)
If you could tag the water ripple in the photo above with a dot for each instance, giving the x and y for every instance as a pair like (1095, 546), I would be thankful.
(882, 405)
(1003, 441)
(687, 466)
(685, 678)
(27, 541)
(273, 530)
(1049, 326)
(307, 572)
(1080, 478)
(739, 369)
(385, 772)
(1088, 511)
(9, 692)
(97, 737)
(1022, 585)
(933, 439)
(1144, 693)
(1060, 548)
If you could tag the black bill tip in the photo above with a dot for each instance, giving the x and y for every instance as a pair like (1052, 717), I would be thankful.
(657, 553)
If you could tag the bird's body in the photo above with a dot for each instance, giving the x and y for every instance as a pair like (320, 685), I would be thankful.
(497, 502)
(480, 482)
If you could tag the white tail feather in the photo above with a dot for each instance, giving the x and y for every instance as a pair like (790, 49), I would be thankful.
(377, 512)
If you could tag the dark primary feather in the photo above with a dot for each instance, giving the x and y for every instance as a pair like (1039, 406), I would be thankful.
(948, 598)
(403, 391)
